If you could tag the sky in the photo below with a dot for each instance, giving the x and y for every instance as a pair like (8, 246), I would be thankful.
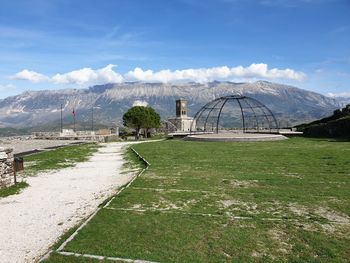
(56, 44)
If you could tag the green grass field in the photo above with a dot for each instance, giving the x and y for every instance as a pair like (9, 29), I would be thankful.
(283, 201)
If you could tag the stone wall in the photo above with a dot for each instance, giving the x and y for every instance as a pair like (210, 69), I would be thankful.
(6, 167)
(183, 124)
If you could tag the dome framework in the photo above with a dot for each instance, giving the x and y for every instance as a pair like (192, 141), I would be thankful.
(235, 113)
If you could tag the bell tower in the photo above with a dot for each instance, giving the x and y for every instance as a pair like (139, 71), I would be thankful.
(182, 122)
(181, 108)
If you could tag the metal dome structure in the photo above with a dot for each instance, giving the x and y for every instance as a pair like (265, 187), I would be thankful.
(234, 113)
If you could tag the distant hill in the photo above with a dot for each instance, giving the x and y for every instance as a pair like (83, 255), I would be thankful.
(343, 101)
(336, 125)
(291, 105)
(9, 131)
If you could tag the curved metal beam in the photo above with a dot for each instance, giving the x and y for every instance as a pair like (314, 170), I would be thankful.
(200, 112)
(218, 120)
(205, 123)
(270, 113)
(256, 118)
(239, 103)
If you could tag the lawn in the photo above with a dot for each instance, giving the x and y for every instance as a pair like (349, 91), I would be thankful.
(277, 201)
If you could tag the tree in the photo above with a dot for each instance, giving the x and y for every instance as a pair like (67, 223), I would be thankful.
(139, 117)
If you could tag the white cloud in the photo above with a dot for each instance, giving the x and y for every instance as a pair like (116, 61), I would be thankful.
(217, 73)
(30, 75)
(108, 75)
(342, 94)
(140, 103)
(89, 76)
(80, 77)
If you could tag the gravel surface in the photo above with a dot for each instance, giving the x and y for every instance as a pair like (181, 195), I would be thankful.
(24, 145)
(33, 220)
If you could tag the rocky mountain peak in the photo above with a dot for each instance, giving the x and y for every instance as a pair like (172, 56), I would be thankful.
(37, 107)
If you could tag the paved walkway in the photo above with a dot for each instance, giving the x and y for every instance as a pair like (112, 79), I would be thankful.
(33, 220)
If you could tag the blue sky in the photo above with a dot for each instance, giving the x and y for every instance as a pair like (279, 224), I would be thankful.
(73, 44)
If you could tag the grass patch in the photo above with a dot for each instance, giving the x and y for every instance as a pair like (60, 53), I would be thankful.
(186, 238)
(294, 193)
(58, 158)
(13, 189)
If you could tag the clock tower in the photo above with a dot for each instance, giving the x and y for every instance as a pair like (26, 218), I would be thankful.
(182, 122)
(181, 108)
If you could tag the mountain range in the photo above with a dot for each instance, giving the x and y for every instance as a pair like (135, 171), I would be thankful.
(107, 103)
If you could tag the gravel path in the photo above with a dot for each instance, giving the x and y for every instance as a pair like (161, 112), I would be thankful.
(33, 220)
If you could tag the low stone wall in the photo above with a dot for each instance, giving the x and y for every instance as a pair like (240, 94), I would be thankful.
(6, 167)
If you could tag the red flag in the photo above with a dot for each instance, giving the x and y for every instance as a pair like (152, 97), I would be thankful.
(73, 112)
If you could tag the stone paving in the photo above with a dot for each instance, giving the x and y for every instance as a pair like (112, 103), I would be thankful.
(231, 137)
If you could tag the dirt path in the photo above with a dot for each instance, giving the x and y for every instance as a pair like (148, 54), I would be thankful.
(33, 220)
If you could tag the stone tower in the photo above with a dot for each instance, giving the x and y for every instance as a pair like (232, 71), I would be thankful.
(181, 108)
(182, 122)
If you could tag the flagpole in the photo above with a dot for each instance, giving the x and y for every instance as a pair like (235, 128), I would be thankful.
(92, 118)
(74, 119)
(61, 119)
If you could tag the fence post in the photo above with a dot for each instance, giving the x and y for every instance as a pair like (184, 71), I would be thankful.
(14, 171)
